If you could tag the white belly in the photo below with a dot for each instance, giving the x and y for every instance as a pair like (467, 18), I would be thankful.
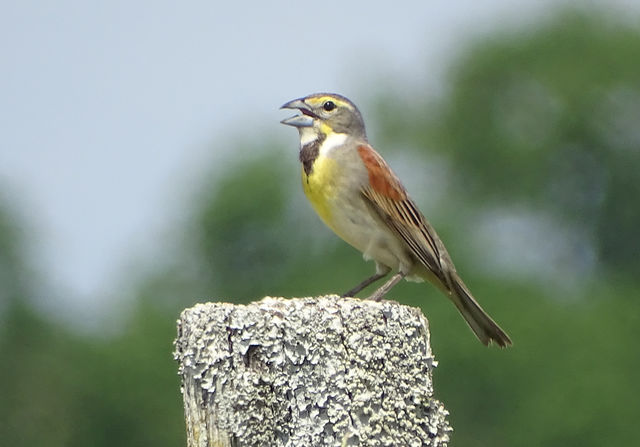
(364, 231)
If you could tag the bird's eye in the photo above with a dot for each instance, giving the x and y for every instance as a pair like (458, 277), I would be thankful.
(329, 106)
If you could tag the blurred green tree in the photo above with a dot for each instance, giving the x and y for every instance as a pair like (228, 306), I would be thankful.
(548, 119)
(15, 271)
(61, 388)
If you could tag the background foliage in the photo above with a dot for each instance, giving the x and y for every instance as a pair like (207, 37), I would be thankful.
(535, 144)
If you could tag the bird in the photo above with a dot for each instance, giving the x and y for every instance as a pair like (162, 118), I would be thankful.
(357, 195)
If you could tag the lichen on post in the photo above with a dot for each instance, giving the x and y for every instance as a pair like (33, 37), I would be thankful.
(324, 371)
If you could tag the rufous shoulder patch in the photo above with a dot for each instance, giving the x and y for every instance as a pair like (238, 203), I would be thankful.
(381, 179)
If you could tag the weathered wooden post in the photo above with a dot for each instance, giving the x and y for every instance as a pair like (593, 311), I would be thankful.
(308, 372)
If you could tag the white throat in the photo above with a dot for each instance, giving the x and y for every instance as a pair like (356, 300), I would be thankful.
(307, 135)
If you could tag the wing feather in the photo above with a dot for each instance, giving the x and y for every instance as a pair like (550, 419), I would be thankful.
(389, 200)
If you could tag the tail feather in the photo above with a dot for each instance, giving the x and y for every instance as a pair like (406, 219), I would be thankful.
(478, 320)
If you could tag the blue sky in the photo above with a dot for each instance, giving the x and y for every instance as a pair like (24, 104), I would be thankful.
(108, 108)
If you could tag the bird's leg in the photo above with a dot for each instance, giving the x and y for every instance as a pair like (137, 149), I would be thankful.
(378, 275)
(382, 291)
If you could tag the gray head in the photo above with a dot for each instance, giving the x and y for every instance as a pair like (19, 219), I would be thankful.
(326, 113)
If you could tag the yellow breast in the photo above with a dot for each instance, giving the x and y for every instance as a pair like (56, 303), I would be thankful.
(320, 187)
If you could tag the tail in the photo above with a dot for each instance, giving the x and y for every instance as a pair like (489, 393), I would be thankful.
(478, 320)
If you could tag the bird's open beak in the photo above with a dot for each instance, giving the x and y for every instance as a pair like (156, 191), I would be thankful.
(304, 120)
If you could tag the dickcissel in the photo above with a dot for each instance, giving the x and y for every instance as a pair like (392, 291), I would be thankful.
(358, 196)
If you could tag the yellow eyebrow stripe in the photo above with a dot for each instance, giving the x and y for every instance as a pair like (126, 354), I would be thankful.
(316, 101)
